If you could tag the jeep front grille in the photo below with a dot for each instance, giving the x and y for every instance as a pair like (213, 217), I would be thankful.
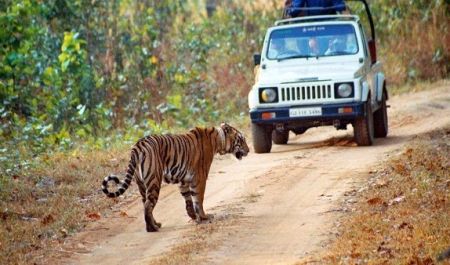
(306, 93)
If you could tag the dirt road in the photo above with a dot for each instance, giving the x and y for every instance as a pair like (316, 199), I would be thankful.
(269, 208)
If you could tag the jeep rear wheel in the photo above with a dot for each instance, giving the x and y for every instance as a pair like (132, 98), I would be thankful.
(261, 138)
(380, 119)
(280, 137)
(363, 127)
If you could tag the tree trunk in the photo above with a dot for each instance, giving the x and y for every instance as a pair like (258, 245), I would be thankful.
(211, 6)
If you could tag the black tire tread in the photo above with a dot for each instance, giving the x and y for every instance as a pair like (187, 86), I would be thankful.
(380, 120)
(262, 142)
(361, 128)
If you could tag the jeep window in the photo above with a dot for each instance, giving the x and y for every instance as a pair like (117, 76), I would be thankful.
(312, 41)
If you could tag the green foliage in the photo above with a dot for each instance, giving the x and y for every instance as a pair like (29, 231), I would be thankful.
(216, 68)
(412, 37)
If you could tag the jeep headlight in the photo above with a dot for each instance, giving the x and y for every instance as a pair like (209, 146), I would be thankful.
(343, 90)
(268, 95)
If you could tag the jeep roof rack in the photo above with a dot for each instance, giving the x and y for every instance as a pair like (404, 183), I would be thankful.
(315, 18)
(364, 2)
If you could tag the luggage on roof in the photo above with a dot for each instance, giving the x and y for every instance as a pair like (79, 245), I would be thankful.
(295, 8)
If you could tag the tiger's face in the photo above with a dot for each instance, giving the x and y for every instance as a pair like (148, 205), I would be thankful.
(238, 145)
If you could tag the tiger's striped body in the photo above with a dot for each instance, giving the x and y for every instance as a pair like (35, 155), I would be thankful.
(183, 159)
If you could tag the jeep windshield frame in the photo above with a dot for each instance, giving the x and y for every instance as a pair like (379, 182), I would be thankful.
(312, 41)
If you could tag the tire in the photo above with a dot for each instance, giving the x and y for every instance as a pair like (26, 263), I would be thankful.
(280, 137)
(380, 120)
(300, 130)
(261, 139)
(363, 127)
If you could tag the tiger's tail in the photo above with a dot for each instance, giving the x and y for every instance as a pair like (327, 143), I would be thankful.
(123, 185)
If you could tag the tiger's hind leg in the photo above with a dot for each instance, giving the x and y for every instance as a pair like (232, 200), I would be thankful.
(143, 194)
(152, 195)
(186, 193)
(141, 187)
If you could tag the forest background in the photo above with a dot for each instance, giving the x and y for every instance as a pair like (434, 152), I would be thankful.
(91, 74)
(82, 80)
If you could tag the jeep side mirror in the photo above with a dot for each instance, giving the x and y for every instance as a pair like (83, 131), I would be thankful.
(372, 51)
(257, 59)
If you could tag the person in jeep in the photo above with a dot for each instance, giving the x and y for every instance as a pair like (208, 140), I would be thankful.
(277, 47)
(295, 8)
(314, 49)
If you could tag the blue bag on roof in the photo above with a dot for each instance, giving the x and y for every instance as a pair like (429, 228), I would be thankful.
(315, 7)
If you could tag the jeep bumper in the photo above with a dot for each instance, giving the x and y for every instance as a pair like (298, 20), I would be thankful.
(345, 112)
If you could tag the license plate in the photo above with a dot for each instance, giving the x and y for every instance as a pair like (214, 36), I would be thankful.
(304, 112)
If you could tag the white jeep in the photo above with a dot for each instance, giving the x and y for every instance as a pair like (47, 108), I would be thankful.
(317, 71)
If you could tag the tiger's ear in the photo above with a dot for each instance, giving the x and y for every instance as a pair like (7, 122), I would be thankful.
(225, 127)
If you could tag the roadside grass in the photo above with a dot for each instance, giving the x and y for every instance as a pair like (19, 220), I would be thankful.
(55, 198)
(403, 215)
(416, 87)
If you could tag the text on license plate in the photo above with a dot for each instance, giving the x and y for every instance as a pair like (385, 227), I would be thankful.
(304, 112)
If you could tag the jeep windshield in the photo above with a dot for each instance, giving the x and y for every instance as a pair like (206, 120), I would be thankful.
(312, 41)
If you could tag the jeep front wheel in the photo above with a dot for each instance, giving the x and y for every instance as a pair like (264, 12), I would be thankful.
(262, 142)
(380, 119)
(280, 137)
(363, 127)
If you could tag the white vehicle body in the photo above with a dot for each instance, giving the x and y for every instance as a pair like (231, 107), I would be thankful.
(307, 86)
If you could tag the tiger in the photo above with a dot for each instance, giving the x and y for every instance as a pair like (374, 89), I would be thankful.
(183, 159)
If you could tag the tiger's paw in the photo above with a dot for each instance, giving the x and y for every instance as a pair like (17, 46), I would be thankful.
(152, 228)
(205, 219)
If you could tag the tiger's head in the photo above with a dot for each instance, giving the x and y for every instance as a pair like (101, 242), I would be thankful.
(233, 141)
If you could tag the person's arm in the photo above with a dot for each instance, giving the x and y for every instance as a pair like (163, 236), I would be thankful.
(339, 6)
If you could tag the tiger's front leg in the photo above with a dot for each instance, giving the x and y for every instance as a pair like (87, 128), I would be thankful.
(198, 194)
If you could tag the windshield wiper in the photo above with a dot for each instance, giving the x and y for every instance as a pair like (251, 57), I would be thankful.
(296, 57)
(338, 53)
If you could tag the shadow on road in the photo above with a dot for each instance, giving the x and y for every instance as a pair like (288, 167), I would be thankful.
(343, 141)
